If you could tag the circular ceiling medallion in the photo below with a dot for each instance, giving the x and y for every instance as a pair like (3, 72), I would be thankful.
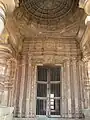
(48, 11)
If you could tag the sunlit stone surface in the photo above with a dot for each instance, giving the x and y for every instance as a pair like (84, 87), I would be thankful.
(6, 113)
(48, 119)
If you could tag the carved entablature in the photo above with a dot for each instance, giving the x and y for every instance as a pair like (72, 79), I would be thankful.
(50, 50)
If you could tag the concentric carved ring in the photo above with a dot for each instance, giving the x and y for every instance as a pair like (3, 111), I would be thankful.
(48, 11)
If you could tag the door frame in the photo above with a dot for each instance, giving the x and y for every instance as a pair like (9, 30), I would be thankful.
(61, 78)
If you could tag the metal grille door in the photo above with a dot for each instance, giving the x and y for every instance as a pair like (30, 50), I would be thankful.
(48, 91)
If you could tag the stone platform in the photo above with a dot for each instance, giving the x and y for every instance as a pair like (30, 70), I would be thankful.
(49, 119)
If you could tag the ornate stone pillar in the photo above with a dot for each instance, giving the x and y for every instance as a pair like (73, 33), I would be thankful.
(5, 54)
(25, 87)
(75, 87)
(68, 87)
(86, 85)
(18, 87)
(72, 88)
(79, 78)
(33, 92)
(11, 66)
(6, 7)
(65, 89)
(29, 86)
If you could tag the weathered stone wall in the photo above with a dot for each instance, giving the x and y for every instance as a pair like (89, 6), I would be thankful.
(63, 52)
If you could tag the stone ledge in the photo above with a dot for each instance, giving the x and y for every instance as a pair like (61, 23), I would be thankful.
(48, 119)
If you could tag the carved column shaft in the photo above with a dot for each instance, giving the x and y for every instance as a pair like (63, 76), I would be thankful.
(72, 88)
(17, 105)
(76, 87)
(25, 88)
(33, 91)
(3, 90)
(28, 102)
(68, 88)
(12, 81)
(2, 16)
(64, 91)
(21, 87)
(86, 85)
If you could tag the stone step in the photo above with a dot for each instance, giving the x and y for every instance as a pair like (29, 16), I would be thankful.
(45, 118)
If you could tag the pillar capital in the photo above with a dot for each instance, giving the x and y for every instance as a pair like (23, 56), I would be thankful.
(6, 7)
(85, 4)
(9, 5)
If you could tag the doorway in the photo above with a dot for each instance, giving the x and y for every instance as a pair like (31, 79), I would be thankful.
(48, 91)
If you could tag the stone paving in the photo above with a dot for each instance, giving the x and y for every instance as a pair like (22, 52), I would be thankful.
(50, 119)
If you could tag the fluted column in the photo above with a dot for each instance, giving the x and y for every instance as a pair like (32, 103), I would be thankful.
(75, 87)
(18, 97)
(21, 87)
(33, 91)
(29, 86)
(72, 88)
(65, 91)
(25, 88)
(68, 88)
(6, 80)
(62, 100)
(11, 66)
(86, 84)
(3, 89)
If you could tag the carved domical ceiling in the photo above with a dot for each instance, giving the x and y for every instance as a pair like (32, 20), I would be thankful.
(49, 11)
(46, 18)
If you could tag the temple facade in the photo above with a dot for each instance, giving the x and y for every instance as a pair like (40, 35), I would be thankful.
(45, 58)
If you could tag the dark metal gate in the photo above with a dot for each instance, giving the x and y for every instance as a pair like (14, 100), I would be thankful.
(48, 91)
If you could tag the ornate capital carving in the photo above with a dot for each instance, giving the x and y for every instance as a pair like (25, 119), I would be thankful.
(10, 5)
(85, 4)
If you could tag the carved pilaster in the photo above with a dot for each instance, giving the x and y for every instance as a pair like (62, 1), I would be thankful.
(72, 90)
(86, 84)
(25, 88)
(5, 55)
(80, 83)
(65, 91)
(62, 100)
(33, 92)
(17, 105)
(75, 87)
(68, 88)
(28, 97)
(21, 87)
